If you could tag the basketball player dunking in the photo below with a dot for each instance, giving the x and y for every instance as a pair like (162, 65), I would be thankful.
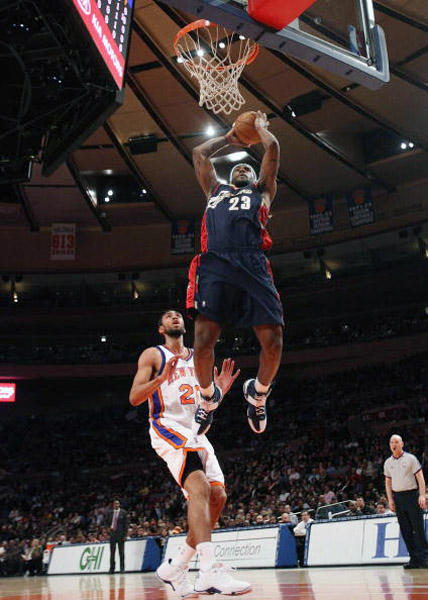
(166, 377)
(231, 280)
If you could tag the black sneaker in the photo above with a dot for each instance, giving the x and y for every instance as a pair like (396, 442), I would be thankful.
(256, 411)
(414, 565)
(205, 412)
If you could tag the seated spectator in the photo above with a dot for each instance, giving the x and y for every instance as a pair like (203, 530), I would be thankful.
(293, 517)
(381, 509)
(354, 511)
(363, 507)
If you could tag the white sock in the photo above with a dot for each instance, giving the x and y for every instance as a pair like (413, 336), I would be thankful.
(260, 388)
(209, 391)
(184, 555)
(206, 555)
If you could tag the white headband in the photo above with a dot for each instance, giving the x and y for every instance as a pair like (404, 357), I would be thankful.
(253, 173)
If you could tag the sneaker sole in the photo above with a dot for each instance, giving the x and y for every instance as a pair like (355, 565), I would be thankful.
(189, 595)
(212, 591)
(250, 423)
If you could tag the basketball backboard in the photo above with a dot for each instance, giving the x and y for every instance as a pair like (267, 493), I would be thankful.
(339, 35)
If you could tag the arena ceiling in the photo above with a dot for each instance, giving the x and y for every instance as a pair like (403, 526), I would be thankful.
(350, 136)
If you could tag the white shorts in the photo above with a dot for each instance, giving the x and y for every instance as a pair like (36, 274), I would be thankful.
(173, 441)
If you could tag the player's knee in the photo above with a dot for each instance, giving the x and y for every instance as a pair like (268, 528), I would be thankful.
(273, 343)
(197, 485)
(218, 496)
(203, 490)
(204, 343)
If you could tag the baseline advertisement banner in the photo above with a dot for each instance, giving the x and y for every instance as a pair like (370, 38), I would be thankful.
(63, 241)
(242, 548)
(95, 558)
(321, 214)
(360, 207)
(247, 548)
(361, 541)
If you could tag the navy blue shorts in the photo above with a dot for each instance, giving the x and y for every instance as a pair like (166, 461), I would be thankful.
(234, 287)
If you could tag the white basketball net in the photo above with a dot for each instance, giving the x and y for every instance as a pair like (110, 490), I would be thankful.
(216, 58)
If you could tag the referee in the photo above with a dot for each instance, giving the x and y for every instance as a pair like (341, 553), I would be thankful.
(405, 488)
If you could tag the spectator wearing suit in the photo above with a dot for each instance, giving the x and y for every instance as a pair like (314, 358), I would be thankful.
(405, 488)
(117, 521)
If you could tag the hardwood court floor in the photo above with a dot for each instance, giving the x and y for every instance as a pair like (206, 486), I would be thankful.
(345, 583)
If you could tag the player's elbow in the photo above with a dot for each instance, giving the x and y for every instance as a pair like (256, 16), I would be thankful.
(134, 399)
(197, 155)
(272, 146)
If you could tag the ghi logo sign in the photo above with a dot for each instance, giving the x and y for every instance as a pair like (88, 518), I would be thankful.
(85, 6)
(91, 557)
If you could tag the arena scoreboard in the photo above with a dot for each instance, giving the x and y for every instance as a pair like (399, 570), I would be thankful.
(109, 23)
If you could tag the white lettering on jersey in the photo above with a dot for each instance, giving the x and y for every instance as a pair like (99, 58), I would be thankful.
(212, 202)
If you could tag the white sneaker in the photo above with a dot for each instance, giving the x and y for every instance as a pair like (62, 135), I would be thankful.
(177, 577)
(218, 581)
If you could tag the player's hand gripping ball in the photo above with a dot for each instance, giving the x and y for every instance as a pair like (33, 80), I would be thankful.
(245, 127)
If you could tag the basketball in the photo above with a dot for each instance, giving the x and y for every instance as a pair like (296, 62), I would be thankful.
(244, 128)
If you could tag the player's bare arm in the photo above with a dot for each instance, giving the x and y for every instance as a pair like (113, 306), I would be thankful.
(270, 163)
(147, 380)
(204, 169)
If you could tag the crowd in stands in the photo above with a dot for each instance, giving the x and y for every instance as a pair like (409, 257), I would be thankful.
(327, 440)
(231, 343)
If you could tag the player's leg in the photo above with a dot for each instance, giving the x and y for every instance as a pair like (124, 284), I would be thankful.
(213, 577)
(198, 490)
(257, 390)
(218, 499)
(207, 333)
(270, 340)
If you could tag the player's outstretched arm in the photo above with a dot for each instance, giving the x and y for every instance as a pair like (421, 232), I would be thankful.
(144, 384)
(226, 377)
(270, 163)
(204, 169)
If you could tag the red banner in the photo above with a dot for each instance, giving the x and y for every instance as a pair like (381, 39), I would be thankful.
(7, 392)
(63, 241)
(103, 39)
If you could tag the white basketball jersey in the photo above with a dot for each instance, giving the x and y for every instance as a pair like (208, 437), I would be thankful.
(175, 399)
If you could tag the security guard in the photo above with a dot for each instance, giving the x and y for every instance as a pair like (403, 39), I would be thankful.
(405, 488)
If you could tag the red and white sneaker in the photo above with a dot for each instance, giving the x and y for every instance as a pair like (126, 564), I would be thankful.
(177, 578)
(218, 581)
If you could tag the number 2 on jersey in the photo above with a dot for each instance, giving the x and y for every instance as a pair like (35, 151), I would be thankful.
(240, 202)
(188, 393)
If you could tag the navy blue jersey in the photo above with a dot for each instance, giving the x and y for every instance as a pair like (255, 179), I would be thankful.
(235, 218)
